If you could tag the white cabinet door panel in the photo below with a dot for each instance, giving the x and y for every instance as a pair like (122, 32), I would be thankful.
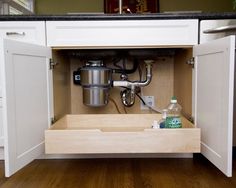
(25, 31)
(214, 88)
(25, 102)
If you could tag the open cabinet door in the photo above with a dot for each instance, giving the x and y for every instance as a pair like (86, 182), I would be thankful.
(214, 88)
(25, 102)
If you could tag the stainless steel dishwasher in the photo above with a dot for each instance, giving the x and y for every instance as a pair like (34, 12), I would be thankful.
(215, 29)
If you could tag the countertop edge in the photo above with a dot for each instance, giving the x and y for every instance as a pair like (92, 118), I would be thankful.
(88, 17)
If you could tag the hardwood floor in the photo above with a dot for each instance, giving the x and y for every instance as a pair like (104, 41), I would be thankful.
(119, 173)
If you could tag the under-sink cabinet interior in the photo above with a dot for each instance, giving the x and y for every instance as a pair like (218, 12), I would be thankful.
(116, 128)
(171, 75)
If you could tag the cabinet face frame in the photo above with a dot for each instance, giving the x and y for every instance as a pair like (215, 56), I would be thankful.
(30, 45)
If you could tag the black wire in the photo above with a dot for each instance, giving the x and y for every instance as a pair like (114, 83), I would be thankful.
(140, 98)
(146, 104)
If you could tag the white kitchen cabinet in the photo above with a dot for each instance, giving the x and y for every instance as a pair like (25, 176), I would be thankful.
(27, 96)
(25, 31)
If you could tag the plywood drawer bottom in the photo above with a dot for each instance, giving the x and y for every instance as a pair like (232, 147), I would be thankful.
(119, 133)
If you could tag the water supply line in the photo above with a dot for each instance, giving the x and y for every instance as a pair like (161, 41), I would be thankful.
(128, 95)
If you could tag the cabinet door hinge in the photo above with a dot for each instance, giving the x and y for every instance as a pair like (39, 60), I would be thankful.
(191, 62)
(52, 64)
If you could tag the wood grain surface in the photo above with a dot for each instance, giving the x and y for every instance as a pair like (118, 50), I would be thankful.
(119, 173)
(119, 133)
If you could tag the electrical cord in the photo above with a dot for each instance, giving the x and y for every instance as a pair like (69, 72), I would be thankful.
(150, 107)
(157, 110)
(141, 99)
(114, 102)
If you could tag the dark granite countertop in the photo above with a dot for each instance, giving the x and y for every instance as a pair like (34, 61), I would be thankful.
(86, 17)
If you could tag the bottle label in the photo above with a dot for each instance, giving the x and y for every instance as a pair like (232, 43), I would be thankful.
(173, 122)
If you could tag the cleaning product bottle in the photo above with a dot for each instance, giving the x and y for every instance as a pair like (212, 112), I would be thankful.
(163, 119)
(173, 119)
(161, 123)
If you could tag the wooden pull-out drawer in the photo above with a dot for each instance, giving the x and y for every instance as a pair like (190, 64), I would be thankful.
(122, 33)
(78, 134)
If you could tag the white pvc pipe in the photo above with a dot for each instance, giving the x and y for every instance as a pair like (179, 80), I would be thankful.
(120, 83)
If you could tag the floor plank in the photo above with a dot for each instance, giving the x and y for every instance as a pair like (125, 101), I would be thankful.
(119, 173)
